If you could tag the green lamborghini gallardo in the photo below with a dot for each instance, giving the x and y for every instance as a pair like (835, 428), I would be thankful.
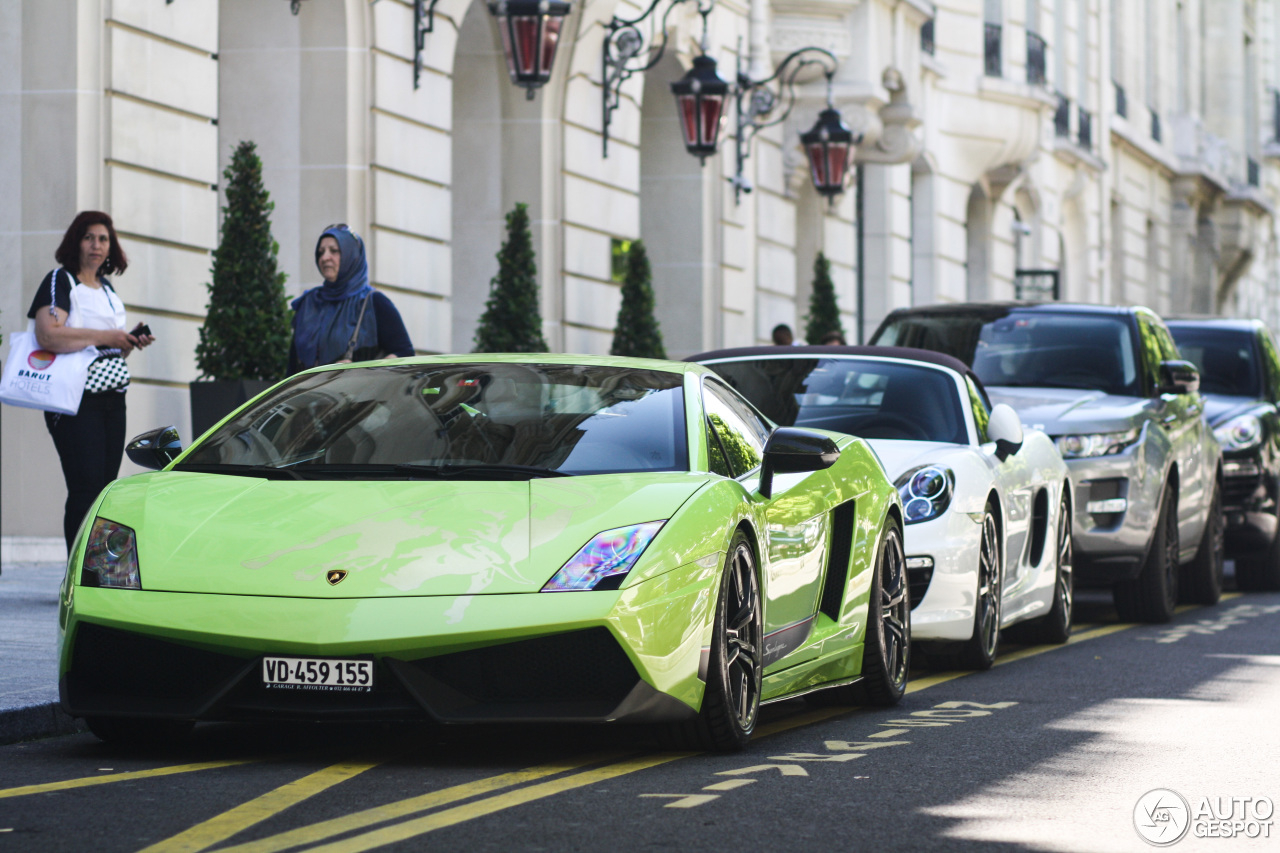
(487, 538)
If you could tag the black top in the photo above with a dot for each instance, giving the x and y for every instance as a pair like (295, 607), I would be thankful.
(61, 291)
(393, 338)
(908, 353)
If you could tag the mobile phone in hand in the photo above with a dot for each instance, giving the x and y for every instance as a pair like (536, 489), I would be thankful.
(141, 329)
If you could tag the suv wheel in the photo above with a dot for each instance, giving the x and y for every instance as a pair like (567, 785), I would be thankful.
(1152, 595)
(1201, 581)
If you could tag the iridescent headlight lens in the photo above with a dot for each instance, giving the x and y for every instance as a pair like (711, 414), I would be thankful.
(1098, 444)
(925, 492)
(111, 557)
(610, 554)
(1239, 433)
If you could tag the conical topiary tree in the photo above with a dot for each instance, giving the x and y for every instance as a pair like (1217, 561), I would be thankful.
(511, 321)
(637, 333)
(824, 314)
(246, 331)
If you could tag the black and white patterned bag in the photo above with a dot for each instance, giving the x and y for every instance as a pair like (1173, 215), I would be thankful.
(107, 373)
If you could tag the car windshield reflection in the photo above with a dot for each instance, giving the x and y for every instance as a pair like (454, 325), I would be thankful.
(467, 420)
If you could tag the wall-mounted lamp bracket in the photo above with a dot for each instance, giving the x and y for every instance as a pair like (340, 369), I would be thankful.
(627, 53)
(424, 21)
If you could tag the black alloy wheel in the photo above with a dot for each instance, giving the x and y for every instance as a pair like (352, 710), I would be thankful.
(731, 703)
(1201, 579)
(1153, 594)
(1260, 572)
(980, 651)
(1055, 626)
(886, 655)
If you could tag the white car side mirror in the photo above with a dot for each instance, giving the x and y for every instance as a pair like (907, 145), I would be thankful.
(1005, 429)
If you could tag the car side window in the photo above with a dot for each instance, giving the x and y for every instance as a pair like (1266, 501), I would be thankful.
(1149, 341)
(739, 429)
(1168, 347)
(715, 452)
(1271, 363)
(981, 410)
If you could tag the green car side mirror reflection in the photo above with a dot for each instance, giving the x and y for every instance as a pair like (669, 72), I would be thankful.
(156, 448)
(790, 450)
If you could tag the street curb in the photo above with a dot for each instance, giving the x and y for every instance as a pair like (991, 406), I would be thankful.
(36, 721)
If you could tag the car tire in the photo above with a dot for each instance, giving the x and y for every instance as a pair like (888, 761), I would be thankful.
(731, 703)
(1201, 579)
(135, 731)
(1260, 572)
(1055, 626)
(1153, 594)
(979, 651)
(886, 649)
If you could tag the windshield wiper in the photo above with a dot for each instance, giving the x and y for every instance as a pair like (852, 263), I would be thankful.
(452, 470)
(269, 472)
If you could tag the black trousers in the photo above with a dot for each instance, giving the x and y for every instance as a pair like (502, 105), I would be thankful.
(90, 446)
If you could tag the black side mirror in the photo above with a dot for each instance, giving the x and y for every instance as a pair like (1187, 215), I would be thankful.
(1179, 377)
(156, 448)
(790, 450)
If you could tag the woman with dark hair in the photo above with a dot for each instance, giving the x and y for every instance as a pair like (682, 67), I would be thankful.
(344, 319)
(76, 307)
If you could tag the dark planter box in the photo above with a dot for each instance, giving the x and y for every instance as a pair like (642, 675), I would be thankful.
(213, 401)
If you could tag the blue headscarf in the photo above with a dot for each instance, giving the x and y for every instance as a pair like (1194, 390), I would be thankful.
(326, 315)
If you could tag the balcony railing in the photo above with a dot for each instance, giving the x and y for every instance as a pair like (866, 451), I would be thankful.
(991, 51)
(1254, 172)
(926, 38)
(1122, 101)
(1039, 285)
(1062, 118)
(1084, 135)
(1035, 60)
(1157, 132)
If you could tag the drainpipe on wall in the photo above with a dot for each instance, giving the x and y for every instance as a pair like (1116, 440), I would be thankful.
(759, 40)
(860, 236)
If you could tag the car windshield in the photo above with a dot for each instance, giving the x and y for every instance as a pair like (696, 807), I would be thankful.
(504, 420)
(1029, 349)
(863, 397)
(1226, 359)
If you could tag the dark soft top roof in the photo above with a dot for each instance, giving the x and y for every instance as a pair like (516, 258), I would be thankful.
(906, 353)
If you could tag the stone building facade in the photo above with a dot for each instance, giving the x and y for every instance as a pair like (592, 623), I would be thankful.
(1101, 150)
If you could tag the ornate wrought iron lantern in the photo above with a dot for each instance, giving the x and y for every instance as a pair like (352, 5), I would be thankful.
(700, 100)
(530, 32)
(827, 145)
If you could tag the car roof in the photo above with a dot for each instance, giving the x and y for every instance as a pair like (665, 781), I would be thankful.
(1239, 324)
(528, 358)
(937, 359)
(1001, 309)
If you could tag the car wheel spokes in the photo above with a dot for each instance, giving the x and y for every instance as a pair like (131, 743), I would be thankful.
(742, 641)
(989, 587)
(894, 610)
(1065, 565)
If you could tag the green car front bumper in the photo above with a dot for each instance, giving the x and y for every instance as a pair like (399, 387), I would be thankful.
(627, 655)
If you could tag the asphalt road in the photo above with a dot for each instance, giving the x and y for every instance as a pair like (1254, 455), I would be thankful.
(1050, 750)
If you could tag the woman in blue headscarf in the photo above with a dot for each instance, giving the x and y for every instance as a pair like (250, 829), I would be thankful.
(344, 319)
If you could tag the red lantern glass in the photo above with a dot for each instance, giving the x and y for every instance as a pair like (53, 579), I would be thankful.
(530, 32)
(827, 146)
(700, 98)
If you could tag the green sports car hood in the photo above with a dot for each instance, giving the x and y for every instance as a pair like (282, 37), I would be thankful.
(212, 533)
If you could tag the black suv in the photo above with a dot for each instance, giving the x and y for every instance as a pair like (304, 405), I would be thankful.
(1240, 382)
(1109, 386)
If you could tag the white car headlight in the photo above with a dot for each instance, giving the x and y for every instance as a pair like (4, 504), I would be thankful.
(1097, 444)
(1239, 433)
(925, 492)
(605, 560)
(111, 557)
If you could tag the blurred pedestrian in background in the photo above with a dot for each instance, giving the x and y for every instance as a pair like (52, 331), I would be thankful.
(344, 319)
(782, 335)
(833, 339)
(75, 307)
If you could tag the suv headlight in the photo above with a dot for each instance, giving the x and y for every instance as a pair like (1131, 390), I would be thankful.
(111, 557)
(1097, 444)
(925, 492)
(1239, 433)
(605, 560)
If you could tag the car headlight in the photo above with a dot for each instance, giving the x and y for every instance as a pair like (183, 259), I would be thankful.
(925, 492)
(1098, 444)
(1239, 433)
(111, 557)
(609, 555)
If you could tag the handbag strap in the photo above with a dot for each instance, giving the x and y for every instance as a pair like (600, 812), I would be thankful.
(351, 345)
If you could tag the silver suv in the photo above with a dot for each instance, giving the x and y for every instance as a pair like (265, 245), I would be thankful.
(1125, 411)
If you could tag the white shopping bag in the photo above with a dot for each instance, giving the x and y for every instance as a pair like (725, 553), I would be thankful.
(35, 378)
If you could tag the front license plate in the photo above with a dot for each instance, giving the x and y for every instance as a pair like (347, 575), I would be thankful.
(334, 674)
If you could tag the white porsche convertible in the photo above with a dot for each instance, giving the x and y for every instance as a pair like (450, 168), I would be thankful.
(987, 504)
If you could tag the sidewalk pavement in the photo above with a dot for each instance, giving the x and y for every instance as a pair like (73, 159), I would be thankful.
(29, 653)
